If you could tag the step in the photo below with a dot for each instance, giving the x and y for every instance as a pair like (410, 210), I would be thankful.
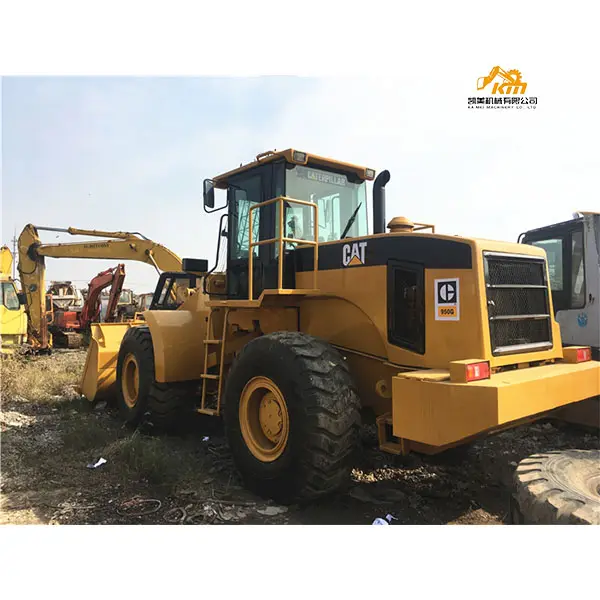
(211, 412)
(216, 342)
(209, 376)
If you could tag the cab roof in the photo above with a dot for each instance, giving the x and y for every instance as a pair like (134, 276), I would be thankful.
(297, 157)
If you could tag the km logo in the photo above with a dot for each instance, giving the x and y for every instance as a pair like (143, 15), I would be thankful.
(505, 82)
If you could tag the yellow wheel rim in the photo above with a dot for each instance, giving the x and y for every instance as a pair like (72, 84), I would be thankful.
(264, 419)
(130, 380)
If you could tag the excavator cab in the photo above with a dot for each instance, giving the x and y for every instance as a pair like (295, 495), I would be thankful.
(172, 289)
(324, 201)
(13, 320)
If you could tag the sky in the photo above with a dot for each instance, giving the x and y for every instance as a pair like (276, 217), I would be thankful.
(131, 153)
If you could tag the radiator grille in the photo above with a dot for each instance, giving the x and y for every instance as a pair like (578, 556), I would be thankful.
(518, 305)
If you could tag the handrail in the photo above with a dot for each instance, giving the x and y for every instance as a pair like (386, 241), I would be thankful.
(421, 226)
(280, 240)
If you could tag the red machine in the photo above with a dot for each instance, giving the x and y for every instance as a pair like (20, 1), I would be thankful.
(66, 326)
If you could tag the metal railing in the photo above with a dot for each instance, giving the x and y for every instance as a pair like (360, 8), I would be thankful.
(280, 239)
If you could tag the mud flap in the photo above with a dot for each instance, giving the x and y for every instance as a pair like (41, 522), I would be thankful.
(100, 371)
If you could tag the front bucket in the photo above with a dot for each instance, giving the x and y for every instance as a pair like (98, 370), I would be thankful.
(100, 371)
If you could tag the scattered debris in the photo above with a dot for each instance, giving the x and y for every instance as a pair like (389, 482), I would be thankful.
(271, 511)
(98, 463)
(131, 508)
(386, 521)
(176, 515)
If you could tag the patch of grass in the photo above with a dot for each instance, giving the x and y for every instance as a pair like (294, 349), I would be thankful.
(85, 432)
(151, 458)
(41, 379)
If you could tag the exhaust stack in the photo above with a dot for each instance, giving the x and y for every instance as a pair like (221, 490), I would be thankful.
(379, 201)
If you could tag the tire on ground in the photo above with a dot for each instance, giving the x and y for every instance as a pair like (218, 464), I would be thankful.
(324, 416)
(162, 404)
(560, 487)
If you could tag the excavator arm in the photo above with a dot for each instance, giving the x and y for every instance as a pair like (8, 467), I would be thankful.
(119, 245)
(91, 308)
(115, 293)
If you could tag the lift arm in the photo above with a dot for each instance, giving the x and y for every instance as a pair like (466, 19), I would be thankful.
(120, 245)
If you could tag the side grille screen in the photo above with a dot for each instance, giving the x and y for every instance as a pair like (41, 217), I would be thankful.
(518, 306)
(406, 311)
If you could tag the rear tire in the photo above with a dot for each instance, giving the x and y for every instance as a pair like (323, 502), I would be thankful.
(558, 488)
(319, 429)
(140, 399)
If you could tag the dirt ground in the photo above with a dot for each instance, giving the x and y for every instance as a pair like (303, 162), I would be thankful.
(49, 436)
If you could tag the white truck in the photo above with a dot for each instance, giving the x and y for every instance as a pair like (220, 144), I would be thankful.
(573, 250)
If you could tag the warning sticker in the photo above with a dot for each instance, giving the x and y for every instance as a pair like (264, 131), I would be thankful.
(447, 300)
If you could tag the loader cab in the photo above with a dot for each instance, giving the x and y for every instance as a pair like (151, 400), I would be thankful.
(338, 190)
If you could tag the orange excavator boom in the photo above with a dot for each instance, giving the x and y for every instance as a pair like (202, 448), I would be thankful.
(91, 310)
(115, 293)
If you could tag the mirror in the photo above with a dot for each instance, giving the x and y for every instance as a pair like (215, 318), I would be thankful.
(209, 194)
(194, 265)
(22, 298)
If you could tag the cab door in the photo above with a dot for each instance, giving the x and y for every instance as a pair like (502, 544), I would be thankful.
(572, 253)
(246, 190)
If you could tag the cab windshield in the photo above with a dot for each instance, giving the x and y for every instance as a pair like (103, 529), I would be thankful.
(8, 296)
(341, 202)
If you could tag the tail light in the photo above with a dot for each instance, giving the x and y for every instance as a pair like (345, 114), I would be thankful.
(477, 371)
(584, 354)
(577, 354)
(463, 371)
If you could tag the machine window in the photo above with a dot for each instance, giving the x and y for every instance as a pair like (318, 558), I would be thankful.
(246, 194)
(554, 251)
(8, 296)
(174, 291)
(125, 297)
(342, 206)
(577, 271)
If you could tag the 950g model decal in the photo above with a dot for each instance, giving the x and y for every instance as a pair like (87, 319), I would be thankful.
(447, 300)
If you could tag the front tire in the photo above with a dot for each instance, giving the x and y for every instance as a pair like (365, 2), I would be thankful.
(292, 417)
(139, 397)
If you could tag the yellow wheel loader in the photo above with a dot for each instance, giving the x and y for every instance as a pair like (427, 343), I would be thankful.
(13, 320)
(317, 324)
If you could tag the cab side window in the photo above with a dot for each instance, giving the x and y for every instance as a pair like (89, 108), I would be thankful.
(554, 253)
(566, 267)
(246, 194)
(8, 297)
(577, 271)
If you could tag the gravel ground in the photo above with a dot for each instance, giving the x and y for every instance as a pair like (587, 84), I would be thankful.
(48, 441)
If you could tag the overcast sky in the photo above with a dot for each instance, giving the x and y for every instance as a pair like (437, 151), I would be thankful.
(131, 154)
